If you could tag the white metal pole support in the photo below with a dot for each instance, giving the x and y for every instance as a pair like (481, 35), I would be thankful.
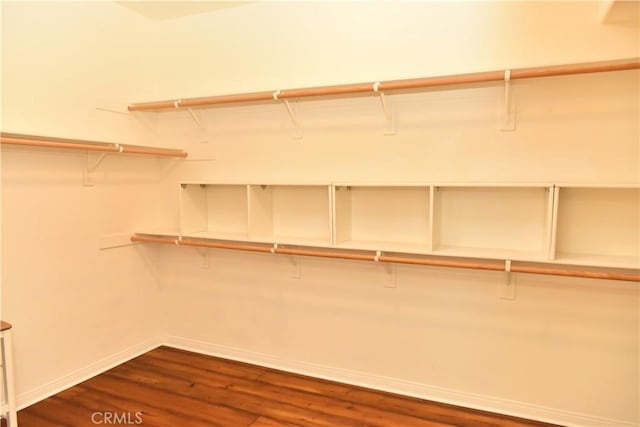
(297, 123)
(388, 109)
(295, 267)
(392, 275)
(508, 287)
(507, 111)
(93, 161)
(204, 253)
(195, 118)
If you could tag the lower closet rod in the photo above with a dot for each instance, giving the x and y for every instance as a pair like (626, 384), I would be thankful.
(396, 260)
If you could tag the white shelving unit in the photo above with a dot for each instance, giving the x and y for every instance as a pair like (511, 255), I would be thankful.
(598, 226)
(591, 226)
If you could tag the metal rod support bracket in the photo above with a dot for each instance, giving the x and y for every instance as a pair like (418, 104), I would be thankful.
(93, 161)
(388, 109)
(507, 110)
(195, 119)
(508, 287)
(295, 119)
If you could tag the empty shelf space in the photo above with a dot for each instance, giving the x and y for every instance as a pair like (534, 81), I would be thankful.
(598, 226)
(382, 217)
(216, 209)
(500, 222)
(295, 214)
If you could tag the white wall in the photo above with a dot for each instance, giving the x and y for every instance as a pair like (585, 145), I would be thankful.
(559, 351)
(74, 307)
(277, 45)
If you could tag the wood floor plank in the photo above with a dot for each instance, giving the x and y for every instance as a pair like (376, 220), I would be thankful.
(257, 402)
(268, 422)
(347, 411)
(62, 415)
(236, 369)
(393, 403)
(169, 387)
(95, 400)
(217, 414)
(32, 418)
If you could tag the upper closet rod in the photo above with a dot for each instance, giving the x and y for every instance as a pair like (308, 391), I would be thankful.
(554, 271)
(376, 87)
(75, 144)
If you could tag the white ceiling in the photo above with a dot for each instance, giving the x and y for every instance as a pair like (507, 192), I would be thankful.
(163, 10)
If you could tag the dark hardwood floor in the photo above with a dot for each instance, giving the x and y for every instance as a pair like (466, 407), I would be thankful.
(167, 387)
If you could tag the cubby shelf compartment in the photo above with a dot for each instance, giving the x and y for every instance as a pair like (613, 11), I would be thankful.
(293, 214)
(502, 222)
(378, 217)
(214, 211)
(598, 226)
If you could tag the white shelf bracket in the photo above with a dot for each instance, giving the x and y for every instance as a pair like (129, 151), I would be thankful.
(204, 254)
(508, 109)
(195, 119)
(93, 161)
(295, 267)
(388, 109)
(508, 287)
(293, 114)
(391, 272)
(295, 119)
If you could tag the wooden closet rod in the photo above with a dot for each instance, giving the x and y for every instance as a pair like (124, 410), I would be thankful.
(76, 144)
(393, 259)
(375, 87)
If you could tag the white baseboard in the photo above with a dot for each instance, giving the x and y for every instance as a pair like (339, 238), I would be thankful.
(62, 383)
(393, 385)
